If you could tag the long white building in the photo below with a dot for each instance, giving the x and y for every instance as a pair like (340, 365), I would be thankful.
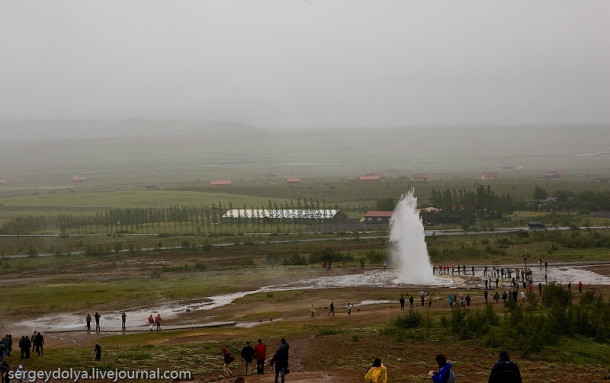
(260, 215)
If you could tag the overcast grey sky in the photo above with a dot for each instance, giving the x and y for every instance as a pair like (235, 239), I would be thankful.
(301, 63)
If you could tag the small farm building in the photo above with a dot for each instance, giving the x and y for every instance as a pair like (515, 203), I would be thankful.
(489, 175)
(369, 178)
(377, 216)
(419, 177)
(220, 183)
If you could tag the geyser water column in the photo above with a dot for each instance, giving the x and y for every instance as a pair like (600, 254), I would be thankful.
(408, 244)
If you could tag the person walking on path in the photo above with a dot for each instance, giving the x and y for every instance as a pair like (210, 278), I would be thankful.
(39, 344)
(247, 354)
(97, 351)
(97, 321)
(158, 321)
(332, 309)
(123, 321)
(151, 322)
(4, 372)
(313, 311)
(7, 342)
(280, 361)
(33, 341)
(20, 374)
(24, 345)
(227, 359)
(377, 373)
(402, 302)
(580, 286)
(444, 372)
(260, 352)
(504, 371)
(88, 320)
(349, 309)
(411, 300)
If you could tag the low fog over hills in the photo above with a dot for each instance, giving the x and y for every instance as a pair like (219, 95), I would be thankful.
(48, 152)
(17, 130)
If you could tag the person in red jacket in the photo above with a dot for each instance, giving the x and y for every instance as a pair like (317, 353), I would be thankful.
(227, 359)
(260, 351)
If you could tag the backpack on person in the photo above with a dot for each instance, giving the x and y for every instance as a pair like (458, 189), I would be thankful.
(451, 377)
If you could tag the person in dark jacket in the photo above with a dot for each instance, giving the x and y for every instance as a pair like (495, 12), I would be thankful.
(280, 361)
(97, 317)
(505, 371)
(24, 345)
(5, 372)
(39, 343)
(247, 354)
(97, 351)
(6, 341)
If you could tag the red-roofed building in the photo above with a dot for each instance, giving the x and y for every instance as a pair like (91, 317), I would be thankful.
(369, 178)
(489, 175)
(2, 182)
(291, 180)
(220, 183)
(419, 177)
(376, 216)
(79, 178)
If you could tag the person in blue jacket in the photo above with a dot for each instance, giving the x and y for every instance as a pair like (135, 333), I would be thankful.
(444, 372)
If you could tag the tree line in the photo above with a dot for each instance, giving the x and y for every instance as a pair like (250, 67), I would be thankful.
(175, 219)
(479, 204)
(567, 200)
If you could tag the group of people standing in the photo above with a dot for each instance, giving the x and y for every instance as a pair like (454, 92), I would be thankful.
(26, 345)
(331, 309)
(279, 361)
(503, 371)
(97, 321)
(156, 321)
(152, 321)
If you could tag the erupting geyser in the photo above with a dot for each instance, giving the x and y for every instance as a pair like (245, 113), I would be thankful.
(407, 237)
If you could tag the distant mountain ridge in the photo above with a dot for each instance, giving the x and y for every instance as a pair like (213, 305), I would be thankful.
(18, 130)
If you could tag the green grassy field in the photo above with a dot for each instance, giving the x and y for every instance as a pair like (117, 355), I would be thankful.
(126, 271)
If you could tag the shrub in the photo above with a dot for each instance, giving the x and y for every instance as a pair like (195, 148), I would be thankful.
(555, 294)
(412, 319)
(201, 266)
(328, 331)
(207, 246)
(375, 257)
(245, 261)
(272, 259)
(531, 297)
(295, 259)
